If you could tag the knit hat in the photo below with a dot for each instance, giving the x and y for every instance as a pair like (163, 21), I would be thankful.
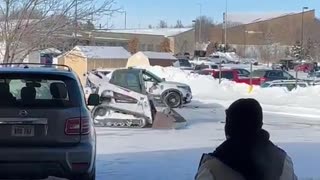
(243, 118)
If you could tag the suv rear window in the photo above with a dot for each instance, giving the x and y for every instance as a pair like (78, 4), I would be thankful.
(34, 90)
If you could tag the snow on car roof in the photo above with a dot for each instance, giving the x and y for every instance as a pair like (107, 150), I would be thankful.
(103, 52)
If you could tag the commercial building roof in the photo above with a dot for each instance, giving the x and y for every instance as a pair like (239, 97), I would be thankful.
(253, 17)
(167, 32)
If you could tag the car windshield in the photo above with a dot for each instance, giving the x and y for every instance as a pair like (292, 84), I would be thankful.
(155, 77)
(185, 63)
(264, 85)
(258, 73)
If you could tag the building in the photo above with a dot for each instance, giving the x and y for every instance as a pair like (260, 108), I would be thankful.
(86, 58)
(268, 36)
(147, 58)
(181, 40)
(261, 29)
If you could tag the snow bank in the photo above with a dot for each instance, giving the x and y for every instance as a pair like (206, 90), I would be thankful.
(206, 88)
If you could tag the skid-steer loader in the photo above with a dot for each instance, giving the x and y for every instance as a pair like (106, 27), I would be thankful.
(126, 103)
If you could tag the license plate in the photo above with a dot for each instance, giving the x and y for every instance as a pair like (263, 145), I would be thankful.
(22, 131)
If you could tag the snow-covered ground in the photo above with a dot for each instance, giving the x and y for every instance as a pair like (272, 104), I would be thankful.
(292, 118)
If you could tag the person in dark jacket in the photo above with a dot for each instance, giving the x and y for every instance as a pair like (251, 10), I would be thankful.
(247, 153)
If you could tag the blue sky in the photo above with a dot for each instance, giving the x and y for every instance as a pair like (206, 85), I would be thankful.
(141, 13)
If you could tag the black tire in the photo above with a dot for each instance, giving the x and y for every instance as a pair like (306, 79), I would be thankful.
(173, 99)
(88, 176)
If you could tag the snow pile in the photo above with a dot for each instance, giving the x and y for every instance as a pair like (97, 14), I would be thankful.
(206, 88)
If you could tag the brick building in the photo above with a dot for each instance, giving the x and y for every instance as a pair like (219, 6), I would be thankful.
(284, 29)
(280, 30)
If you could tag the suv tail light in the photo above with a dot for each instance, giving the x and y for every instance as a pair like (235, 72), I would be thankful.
(77, 126)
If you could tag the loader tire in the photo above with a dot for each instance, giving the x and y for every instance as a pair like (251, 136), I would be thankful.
(173, 99)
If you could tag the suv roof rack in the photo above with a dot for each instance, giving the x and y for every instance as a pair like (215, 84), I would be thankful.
(25, 65)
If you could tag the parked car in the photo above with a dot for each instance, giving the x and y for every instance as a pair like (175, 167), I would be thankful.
(314, 76)
(46, 128)
(205, 65)
(287, 84)
(306, 67)
(271, 75)
(218, 59)
(232, 75)
(183, 64)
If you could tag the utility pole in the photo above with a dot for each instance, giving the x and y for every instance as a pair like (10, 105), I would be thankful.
(302, 33)
(200, 23)
(76, 23)
(125, 19)
(302, 39)
(225, 24)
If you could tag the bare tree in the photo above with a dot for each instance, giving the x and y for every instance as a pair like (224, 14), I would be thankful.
(163, 24)
(179, 24)
(206, 23)
(30, 25)
(165, 45)
(133, 45)
(150, 26)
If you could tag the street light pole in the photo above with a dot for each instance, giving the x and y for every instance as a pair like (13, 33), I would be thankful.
(225, 24)
(200, 23)
(125, 18)
(302, 33)
(302, 39)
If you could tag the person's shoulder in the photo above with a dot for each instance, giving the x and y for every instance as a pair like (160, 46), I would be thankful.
(214, 169)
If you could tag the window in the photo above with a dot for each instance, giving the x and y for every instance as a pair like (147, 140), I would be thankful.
(148, 76)
(258, 73)
(158, 48)
(38, 91)
(142, 47)
(275, 74)
(150, 47)
(287, 75)
(264, 85)
(184, 63)
(100, 44)
(227, 75)
(214, 67)
(129, 80)
(200, 67)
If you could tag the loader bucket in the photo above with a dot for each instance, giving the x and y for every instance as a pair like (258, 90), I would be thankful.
(168, 119)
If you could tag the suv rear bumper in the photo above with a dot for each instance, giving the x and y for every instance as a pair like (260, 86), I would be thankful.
(41, 162)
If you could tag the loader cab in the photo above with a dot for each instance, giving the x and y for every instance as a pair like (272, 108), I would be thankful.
(129, 79)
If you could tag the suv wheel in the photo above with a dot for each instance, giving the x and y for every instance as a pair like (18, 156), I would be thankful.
(173, 99)
(88, 176)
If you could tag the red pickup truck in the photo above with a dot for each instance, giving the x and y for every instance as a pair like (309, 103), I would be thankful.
(232, 75)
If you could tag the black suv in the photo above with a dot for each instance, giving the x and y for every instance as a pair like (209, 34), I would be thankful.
(46, 128)
(271, 75)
